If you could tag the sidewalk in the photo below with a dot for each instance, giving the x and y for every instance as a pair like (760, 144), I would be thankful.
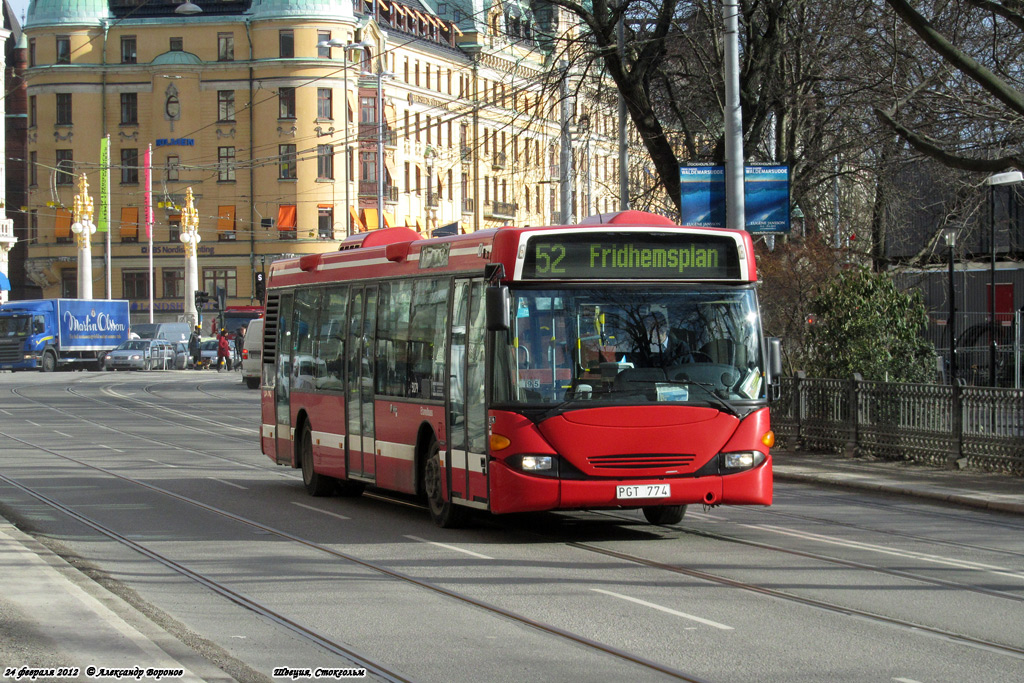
(52, 615)
(985, 490)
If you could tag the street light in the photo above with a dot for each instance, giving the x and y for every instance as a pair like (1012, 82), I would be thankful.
(949, 235)
(188, 8)
(83, 228)
(380, 76)
(1008, 178)
(334, 42)
(190, 238)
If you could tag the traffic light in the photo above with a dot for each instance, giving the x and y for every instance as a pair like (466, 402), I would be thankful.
(260, 288)
(202, 298)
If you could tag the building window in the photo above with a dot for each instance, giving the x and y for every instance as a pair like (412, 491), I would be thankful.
(65, 167)
(174, 282)
(223, 278)
(325, 162)
(33, 226)
(31, 51)
(325, 223)
(128, 51)
(33, 111)
(63, 112)
(324, 103)
(225, 47)
(174, 229)
(172, 167)
(135, 284)
(286, 162)
(323, 52)
(226, 164)
(286, 43)
(225, 105)
(286, 97)
(33, 169)
(63, 49)
(129, 108)
(368, 167)
(129, 167)
(368, 110)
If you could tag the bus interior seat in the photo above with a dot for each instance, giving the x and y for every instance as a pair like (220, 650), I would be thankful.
(720, 351)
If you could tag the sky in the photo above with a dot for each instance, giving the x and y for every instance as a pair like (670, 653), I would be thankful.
(19, 7)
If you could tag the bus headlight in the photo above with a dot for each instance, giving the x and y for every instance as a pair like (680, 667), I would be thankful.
(534, 463)
(741, 460)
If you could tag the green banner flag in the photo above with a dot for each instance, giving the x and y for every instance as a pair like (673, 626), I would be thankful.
(103, 213)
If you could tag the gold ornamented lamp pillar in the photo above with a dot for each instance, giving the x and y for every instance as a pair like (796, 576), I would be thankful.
(83, 227)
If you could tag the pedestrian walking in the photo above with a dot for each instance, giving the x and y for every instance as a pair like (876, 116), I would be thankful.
(240, 343)
(194, 348)
(223, 351)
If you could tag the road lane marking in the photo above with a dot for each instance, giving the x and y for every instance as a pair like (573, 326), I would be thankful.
(324, 512)
(857, 545)
(63, 434)
(165, 464)
(229, 483)
(111, 448)
(33, 423)
(450, 547)
(684, 615)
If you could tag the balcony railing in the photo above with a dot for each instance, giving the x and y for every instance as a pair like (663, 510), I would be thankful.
(468, 205)
(499, 161)
(466, 152)
(433, 200)
(500, 210)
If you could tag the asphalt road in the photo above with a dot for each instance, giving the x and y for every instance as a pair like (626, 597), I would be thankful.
(154, 484)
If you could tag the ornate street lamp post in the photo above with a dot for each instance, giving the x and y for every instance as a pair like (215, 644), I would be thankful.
(83, 228)
(190, 238)
(1008, 178)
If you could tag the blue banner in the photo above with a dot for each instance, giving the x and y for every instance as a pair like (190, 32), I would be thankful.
(765, 193)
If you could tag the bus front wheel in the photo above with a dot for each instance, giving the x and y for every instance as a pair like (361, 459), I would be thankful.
(664, 514)
(445, 514)
(316, 484)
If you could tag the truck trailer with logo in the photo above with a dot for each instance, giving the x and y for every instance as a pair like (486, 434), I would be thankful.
(49, 334)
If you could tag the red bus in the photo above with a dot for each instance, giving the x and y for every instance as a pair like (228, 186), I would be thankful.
(618, 363)
(234, 317)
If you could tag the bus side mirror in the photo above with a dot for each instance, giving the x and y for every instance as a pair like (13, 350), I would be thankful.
(774, 365)
(499, 308)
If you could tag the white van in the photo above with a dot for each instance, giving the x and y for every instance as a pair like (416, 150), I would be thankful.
(252, 354)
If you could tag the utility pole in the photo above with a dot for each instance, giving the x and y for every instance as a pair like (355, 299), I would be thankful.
(735, 212)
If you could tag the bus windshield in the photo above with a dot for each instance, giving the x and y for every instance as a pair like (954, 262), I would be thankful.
(628, 345)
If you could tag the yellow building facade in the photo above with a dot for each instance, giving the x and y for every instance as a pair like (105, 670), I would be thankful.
(270, 111)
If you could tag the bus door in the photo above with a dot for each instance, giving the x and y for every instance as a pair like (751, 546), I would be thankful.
(467, 409)
(359, 392)
(283, 451)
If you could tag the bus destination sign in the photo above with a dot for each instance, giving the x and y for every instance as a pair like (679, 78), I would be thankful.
(631, 256)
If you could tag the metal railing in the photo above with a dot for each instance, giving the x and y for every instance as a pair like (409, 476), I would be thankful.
(936, 424)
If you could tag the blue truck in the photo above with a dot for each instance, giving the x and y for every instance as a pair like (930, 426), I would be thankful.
(49, 334)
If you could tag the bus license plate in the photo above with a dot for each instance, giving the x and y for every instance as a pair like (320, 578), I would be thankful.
(643, 491)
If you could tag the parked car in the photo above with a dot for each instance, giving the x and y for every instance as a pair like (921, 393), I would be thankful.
(141, 354)
(208, 354)
(182, 358)
(252, 354)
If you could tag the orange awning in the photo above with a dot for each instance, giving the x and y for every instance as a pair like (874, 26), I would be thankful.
(63, 224)
(353, 105)
(130, 222)
(357, 225)
(286, 217)
(370, 218)
(419, 224)
(390, 166)
(225, 218)
(389, 220)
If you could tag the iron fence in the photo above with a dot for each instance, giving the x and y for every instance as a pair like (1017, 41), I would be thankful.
(974, 347)
(936, 424)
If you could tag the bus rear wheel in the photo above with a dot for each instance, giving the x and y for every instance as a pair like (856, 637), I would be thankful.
(664, 514)
(316, 484)
(443, 512)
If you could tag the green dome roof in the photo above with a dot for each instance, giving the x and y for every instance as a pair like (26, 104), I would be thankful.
(177, 58)
(311, 9)
(66, 12)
